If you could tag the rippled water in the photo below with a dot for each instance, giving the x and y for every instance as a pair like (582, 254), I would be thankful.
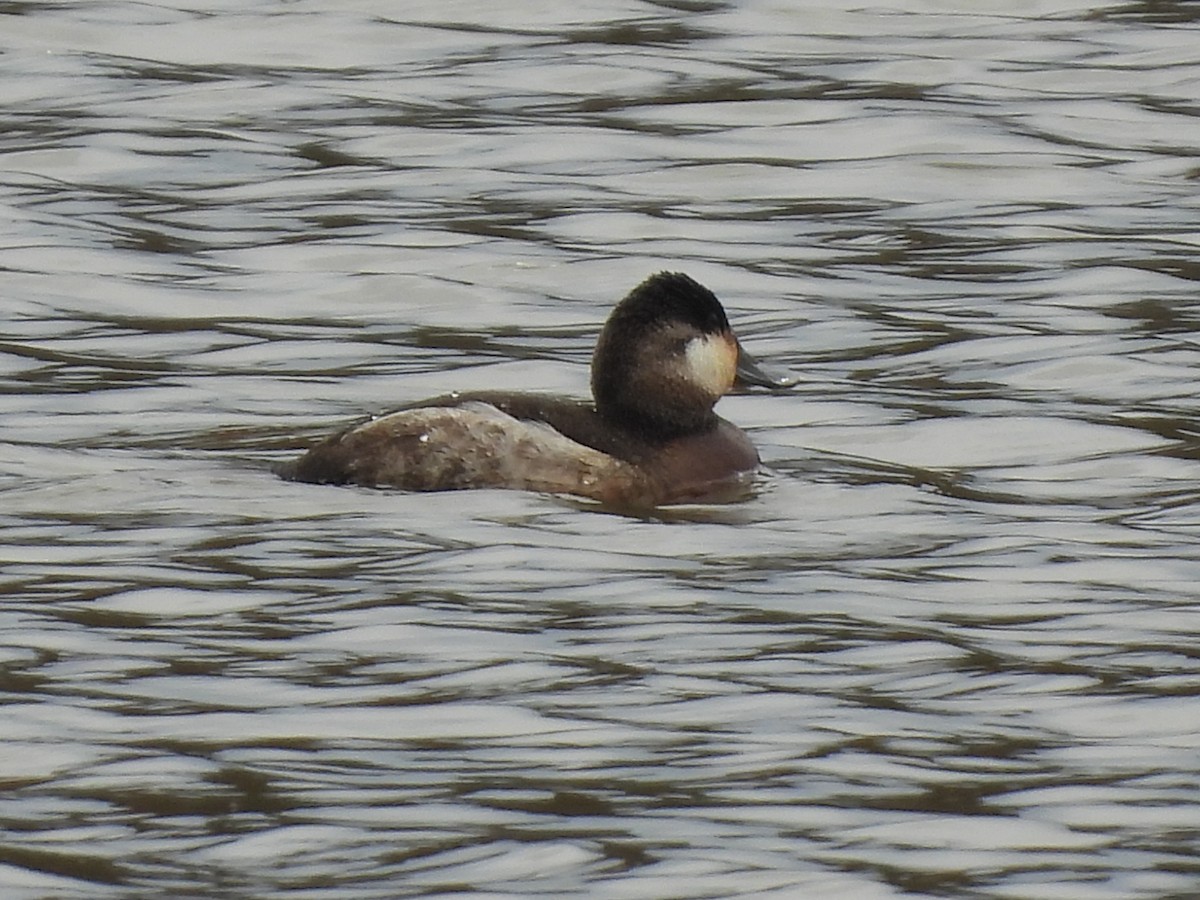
(947, 650)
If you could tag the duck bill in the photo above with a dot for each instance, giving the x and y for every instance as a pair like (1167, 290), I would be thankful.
(750, 373)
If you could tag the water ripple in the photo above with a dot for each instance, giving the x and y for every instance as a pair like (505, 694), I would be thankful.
(942, 651)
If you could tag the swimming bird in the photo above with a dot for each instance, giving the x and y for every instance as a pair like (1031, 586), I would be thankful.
(649, 437)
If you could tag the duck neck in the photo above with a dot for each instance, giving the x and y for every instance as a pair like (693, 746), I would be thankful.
(660, 425)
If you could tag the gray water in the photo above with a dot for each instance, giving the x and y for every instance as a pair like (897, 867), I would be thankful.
(948, 649)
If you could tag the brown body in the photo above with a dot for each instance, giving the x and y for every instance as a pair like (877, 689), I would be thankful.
(664, 358)
(530, 443)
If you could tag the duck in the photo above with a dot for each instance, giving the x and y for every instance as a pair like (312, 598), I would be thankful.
(649, 436)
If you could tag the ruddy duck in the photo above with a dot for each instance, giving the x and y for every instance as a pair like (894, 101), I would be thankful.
(665, 356)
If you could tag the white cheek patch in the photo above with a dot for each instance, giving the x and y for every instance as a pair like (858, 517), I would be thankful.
(711, 362)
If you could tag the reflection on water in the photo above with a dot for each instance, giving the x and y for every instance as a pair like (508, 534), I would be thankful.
(944, 651)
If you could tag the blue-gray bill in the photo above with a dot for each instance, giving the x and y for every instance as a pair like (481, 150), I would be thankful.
(751, 373)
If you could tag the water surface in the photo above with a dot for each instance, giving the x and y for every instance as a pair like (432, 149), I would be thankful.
(946, 650)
